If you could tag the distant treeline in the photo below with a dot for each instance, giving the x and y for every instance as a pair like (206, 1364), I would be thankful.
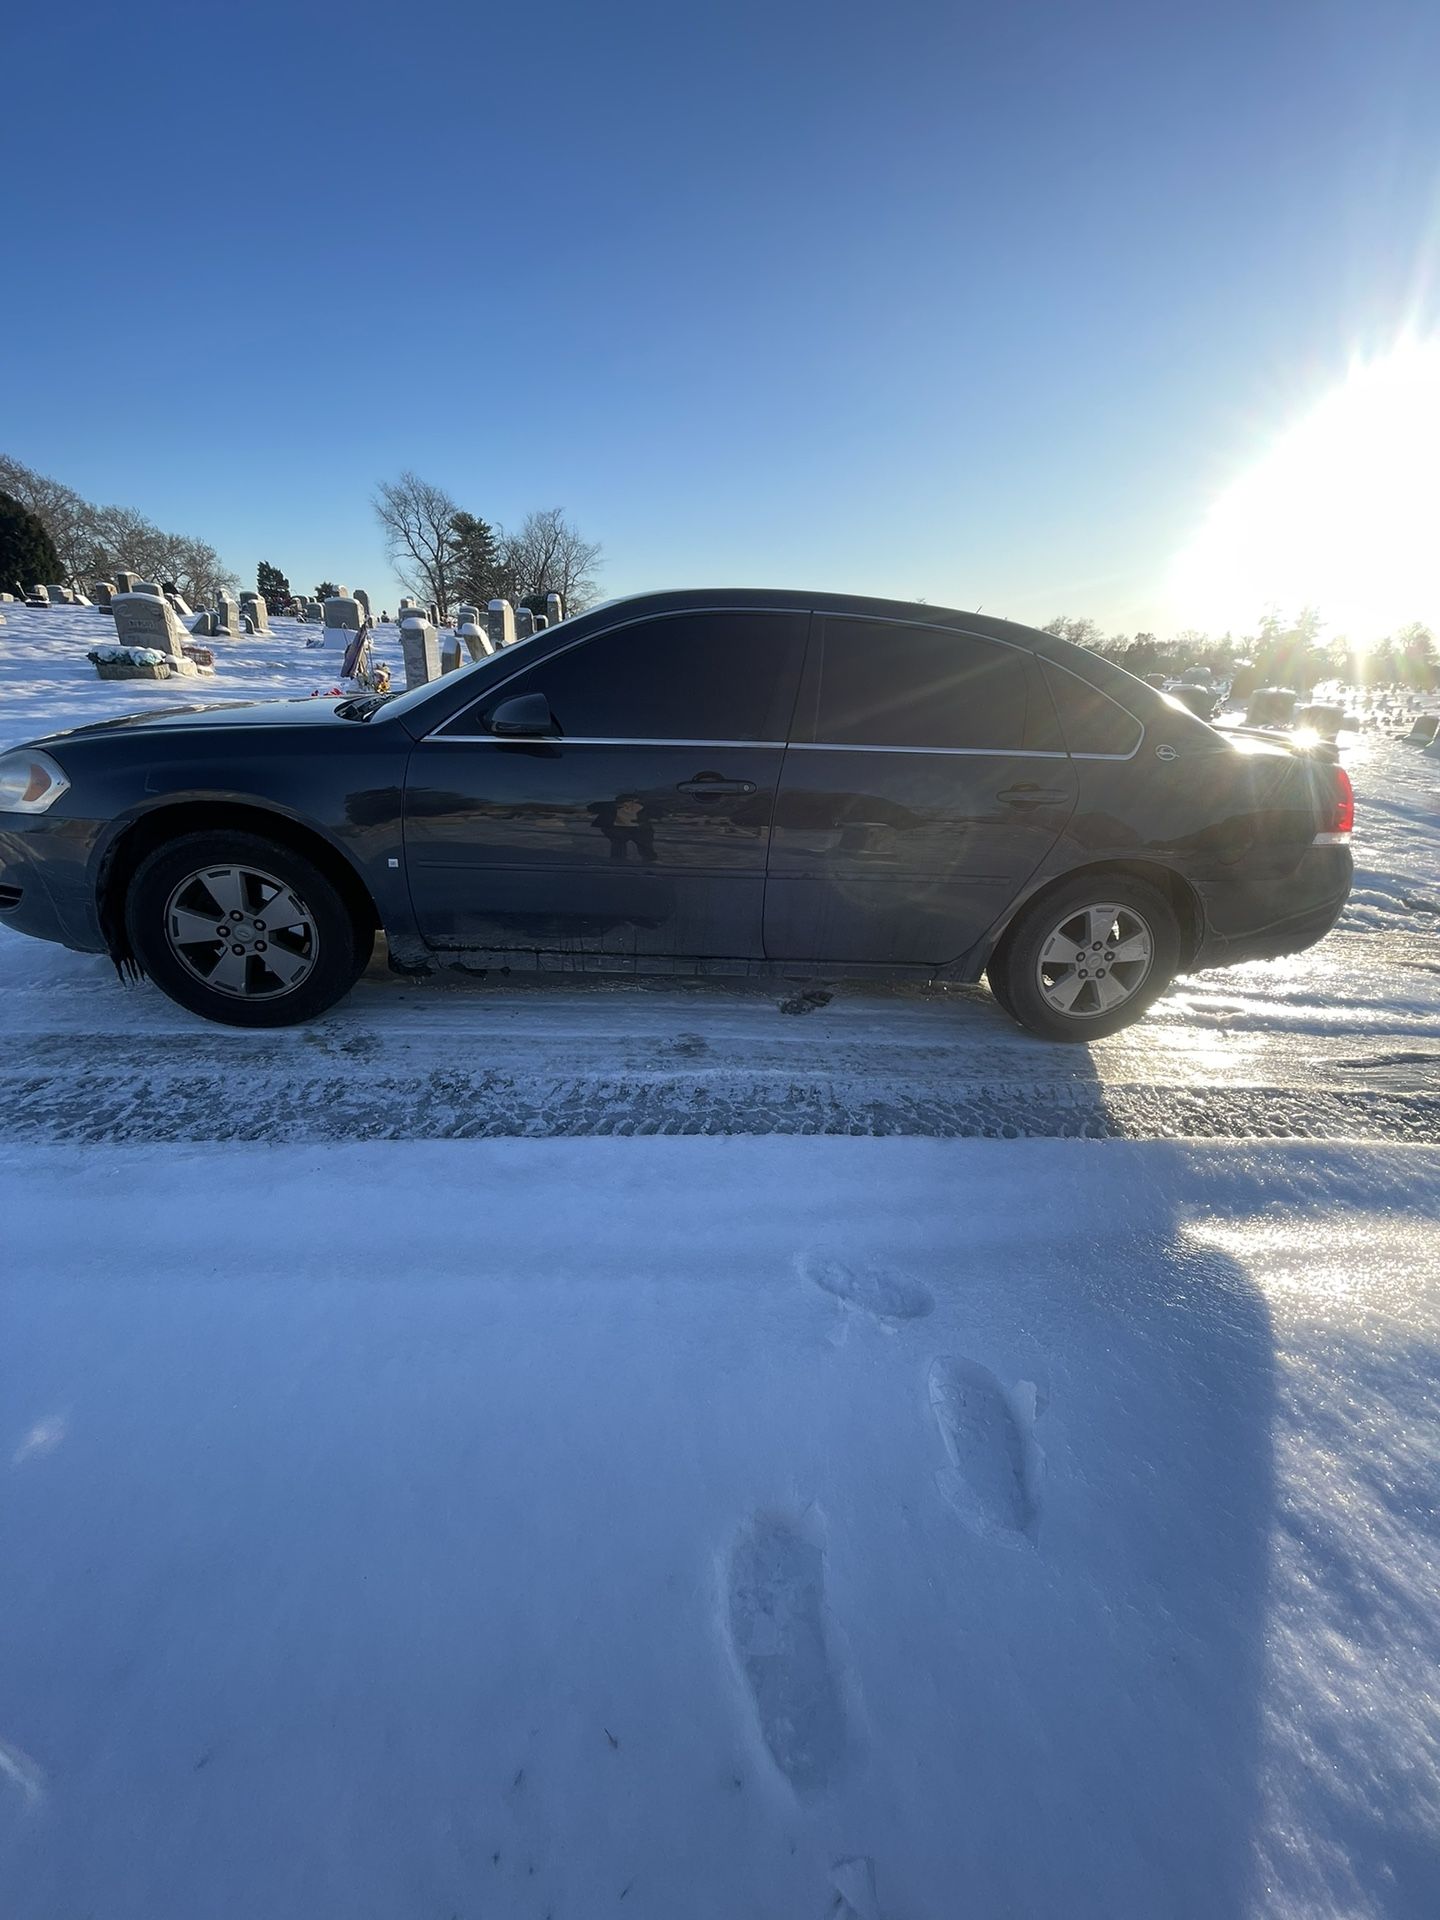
(1281, 652)
(92, 541)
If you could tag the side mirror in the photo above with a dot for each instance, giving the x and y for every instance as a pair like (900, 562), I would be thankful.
(525, 716)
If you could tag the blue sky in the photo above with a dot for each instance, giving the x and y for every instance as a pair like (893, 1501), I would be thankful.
(983, 304)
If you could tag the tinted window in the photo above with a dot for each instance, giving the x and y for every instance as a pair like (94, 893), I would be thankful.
(893, 686)
(1092, 722)
(693, 676)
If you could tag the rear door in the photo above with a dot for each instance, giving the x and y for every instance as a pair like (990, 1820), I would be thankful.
(640, 825)
(925, 782)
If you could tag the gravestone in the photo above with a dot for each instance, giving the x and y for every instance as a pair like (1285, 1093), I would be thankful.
(227, 613)
(477, 644)
(38, 597)
(420, 644)
(541, 623)
(466, 616)
(500, 623)
(146, 586)
(203, 624)
(343, 616)
(450, 654)
(260, 612)
(179, 603)
(125, 582)
(1424, 731)
(247, 625)
(60, 596)
(363, 597)
(145, 620)
(554, 608)
(524, 623)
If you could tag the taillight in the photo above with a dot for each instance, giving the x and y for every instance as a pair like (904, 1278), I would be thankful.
(1339, 822)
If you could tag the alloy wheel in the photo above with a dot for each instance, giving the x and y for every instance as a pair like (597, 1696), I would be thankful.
(1094, 960)
(242, 932)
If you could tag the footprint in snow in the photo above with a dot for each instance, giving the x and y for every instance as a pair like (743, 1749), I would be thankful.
(777, 1629)
(886, 1295)
(995, 1464)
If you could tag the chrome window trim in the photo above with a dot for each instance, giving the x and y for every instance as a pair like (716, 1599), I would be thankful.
(590, 740)
(954, 753)
(584, 639)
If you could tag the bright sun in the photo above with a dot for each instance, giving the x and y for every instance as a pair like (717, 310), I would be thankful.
(1342, 513)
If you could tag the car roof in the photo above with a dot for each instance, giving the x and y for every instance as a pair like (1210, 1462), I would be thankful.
(864, 606)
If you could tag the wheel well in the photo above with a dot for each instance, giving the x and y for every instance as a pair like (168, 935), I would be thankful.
(164, 823)
(1176, 889)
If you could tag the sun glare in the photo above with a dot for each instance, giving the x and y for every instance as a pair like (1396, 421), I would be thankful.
(1342, 513)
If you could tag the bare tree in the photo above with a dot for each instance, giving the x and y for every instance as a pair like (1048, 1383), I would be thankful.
(64, 514)
(548, 555)
(416, 519)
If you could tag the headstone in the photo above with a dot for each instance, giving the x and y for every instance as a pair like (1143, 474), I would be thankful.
(203, 624)
(524, 623)
(466, 616)
(179, 602)
(147, 586)
(500, 624)
(554, 608)
(38, 597)
(450, 653)
(541, 623)
(420, 645)
(60, 596)
(80, 600)
(363, 597)
(477, 644)
(125, 582)
(434, 615)
(343, 616)
(1424, 731)
(247, 625)
(145, 620)
(227, 613)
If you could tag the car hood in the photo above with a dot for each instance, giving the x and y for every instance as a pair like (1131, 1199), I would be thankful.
(236, 713)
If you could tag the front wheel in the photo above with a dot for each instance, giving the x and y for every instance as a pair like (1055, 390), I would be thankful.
(1087, 959)
(243, 930)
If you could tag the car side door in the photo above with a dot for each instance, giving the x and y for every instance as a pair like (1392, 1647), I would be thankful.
(925, 781)
(634, 818)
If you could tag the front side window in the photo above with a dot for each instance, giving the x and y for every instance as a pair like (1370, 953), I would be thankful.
(690, 676)
(884, 685)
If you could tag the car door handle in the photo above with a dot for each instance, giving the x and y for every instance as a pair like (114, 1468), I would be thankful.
(1029, 795)
(707, 783)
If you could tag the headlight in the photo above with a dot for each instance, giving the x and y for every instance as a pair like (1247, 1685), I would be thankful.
(30, 781)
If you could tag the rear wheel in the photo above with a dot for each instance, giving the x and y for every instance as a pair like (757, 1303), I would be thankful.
(1088, 958)
(243, 930)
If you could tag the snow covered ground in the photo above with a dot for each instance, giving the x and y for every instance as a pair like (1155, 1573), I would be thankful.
(416, 1505)
(591, 1526)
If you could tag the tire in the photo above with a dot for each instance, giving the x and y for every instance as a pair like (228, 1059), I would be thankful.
(299, 947)
(1037, 966)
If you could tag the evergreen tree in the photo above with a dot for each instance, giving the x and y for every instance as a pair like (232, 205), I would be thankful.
(326, 590)
(274, 588)
(27, 553)
(477, 568)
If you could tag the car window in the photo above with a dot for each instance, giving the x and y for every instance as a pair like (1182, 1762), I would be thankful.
(693, 676)
(886, 685)
(1092, 722)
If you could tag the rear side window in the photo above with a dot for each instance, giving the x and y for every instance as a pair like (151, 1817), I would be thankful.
(884, 685)
(693, 676)
(1091, 721)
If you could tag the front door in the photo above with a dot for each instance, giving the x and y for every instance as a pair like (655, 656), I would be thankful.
(640, 823)
(925, 782)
